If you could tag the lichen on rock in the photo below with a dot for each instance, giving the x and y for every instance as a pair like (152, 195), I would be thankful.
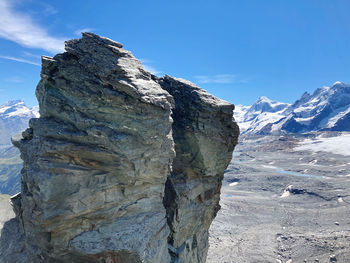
(100, 181)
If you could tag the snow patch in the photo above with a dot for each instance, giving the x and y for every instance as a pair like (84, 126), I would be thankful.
(337, 145)
(338, 115)
(269, 166)
(3, 109)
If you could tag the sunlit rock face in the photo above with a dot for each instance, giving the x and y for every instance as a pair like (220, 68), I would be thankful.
(96, 161)
(100, 181)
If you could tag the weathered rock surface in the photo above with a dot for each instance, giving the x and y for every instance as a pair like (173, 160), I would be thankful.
(204, 137)
(100, 181)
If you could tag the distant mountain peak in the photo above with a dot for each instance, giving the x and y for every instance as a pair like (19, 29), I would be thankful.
(339, 83)
(327, 108)
(14, 117)
(266, 100)
(306, 94)
(263, 104)
(12, 103)
(17, 109)
(263, 98)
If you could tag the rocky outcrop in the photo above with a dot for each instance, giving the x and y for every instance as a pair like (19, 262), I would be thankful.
(100, 181)
(204, 137)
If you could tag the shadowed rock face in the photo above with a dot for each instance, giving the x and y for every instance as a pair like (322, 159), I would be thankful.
(100, 181)
(204, 136)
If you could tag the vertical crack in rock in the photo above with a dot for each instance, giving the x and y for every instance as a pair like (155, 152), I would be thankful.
(100, 181)
(205, 135)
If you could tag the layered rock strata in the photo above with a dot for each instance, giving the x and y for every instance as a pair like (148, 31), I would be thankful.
(100, 181)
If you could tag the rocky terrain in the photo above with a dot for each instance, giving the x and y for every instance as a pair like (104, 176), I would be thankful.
(121, 166)
(280, 204)
(124, 166)
(285, 194)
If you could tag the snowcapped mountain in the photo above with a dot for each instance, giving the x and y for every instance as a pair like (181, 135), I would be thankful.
(328, 108)
(264, 105)
(239, 113)
(261, 113)
(252, 119)
(14, 117)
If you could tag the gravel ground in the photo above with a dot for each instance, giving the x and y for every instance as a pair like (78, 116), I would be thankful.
(281, 205)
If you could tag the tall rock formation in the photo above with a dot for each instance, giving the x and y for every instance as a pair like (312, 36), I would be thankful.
(100, 181)
(204, 137)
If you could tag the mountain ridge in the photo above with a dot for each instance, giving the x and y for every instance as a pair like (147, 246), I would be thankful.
(14, 117)
(326, 109)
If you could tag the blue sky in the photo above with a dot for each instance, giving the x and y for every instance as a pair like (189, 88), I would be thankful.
(237, 50)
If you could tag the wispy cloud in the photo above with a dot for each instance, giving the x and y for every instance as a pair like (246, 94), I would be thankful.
(21, 28)
(20, 60)
(151, 69)
(31, 55)
(87, 29)
(146, 61)
(48, 10)
(220, 78)
(14, 79)
(146, 64)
